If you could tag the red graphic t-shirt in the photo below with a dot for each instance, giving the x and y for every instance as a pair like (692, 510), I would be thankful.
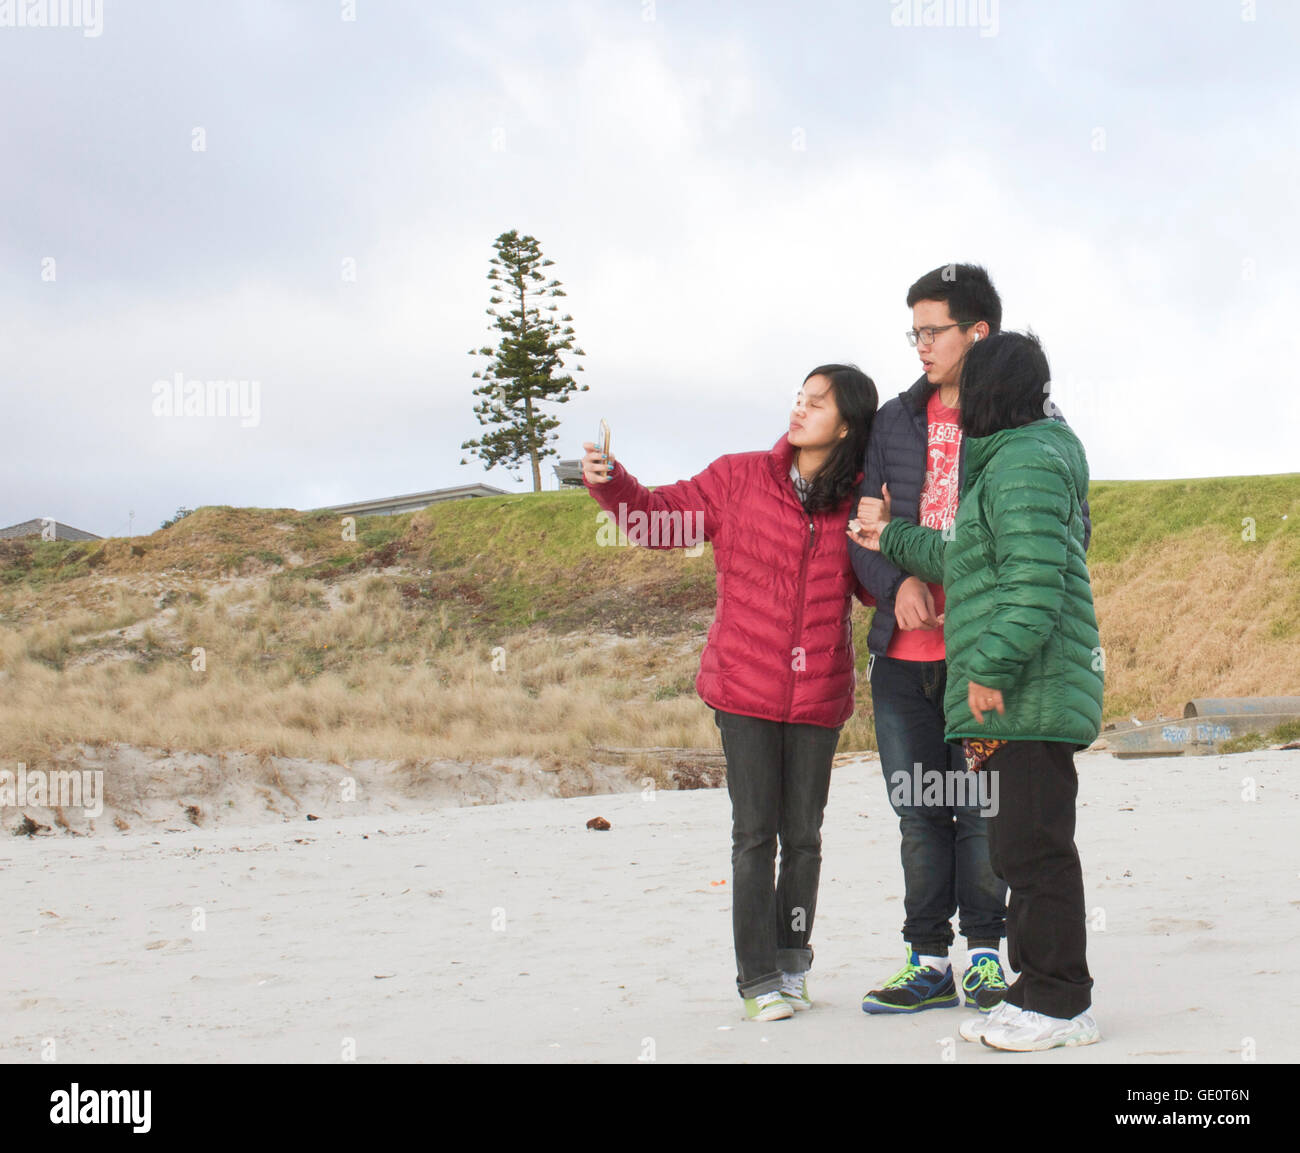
(938, 510)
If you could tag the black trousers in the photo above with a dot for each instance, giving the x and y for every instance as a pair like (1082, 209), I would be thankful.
(1031, 847)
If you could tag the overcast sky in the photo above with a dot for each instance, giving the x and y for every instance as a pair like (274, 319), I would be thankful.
(733, 193)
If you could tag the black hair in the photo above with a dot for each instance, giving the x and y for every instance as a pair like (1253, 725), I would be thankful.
(856, 398)
(1005, 382)
(966, 289)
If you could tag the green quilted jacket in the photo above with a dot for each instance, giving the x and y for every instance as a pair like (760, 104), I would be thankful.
(1018, 614)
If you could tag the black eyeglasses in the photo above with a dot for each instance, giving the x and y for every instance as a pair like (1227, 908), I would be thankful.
(925, 336)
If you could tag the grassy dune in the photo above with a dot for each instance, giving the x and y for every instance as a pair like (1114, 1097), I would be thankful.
(496, 627)
(1188, 606)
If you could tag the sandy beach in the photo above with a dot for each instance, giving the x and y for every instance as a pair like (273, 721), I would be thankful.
(511, 932)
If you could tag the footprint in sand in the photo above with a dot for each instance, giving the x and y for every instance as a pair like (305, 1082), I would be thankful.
(178, 946)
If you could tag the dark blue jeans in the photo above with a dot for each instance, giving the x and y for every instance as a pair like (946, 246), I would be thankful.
(945, 848)
(778, 777)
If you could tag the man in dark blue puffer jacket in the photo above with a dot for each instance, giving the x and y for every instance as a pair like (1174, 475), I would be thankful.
(917, 452)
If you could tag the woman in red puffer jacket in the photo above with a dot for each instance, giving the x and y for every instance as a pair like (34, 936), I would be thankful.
(778, 666)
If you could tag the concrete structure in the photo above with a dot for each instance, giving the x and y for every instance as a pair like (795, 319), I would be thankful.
(411, 502)
(34, 527)
(568, 473)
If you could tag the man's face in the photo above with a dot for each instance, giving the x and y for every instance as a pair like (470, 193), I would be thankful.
(942, 359)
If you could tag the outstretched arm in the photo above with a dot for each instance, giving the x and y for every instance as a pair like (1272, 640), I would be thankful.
(671, 516)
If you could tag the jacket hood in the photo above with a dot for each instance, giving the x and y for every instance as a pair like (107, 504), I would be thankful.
(1050, 436)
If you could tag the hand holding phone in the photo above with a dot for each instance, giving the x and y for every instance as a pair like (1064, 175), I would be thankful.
(597, 464)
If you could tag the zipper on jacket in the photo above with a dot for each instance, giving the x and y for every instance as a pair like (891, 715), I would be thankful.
(798, 621)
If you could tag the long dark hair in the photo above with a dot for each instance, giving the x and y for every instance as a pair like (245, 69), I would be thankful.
(1004, 384)
(855, 397)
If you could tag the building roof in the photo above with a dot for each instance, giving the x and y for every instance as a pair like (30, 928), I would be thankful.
(36, 525)
(411, 501)
(569, 472)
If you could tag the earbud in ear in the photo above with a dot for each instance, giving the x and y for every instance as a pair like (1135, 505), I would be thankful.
(977, 336)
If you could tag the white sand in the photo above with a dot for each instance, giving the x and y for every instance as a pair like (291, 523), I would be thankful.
(613, 946)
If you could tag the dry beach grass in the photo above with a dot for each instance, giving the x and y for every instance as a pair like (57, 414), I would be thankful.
(495, 633)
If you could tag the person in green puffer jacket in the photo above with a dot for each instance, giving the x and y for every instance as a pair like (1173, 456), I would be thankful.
(1024, 688)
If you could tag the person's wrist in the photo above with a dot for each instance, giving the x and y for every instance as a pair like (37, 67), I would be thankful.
(880, 536)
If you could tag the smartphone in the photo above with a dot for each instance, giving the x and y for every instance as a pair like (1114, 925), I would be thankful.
(602, 445)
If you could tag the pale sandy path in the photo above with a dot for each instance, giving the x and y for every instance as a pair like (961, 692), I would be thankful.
(611, 945)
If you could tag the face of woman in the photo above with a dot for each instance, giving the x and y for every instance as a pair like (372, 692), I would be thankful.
(815, 421)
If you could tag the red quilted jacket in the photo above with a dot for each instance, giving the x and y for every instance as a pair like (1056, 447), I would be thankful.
(781, 643)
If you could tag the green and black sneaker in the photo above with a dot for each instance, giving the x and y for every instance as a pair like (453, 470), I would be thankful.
(913, 988)
(984, 983)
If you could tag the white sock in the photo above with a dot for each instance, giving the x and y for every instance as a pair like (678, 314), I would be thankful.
(940, 963)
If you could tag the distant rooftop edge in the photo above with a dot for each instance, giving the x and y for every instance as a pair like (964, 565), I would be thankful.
(37, 526)
(411, 501)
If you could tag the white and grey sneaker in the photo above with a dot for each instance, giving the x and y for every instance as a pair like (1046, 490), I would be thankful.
(1028, 1032)
(794, 988)
(973, 1028)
